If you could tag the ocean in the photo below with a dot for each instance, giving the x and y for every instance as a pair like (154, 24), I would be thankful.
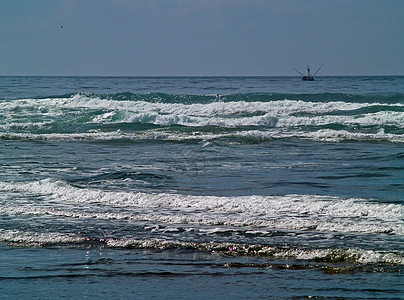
(202, 187)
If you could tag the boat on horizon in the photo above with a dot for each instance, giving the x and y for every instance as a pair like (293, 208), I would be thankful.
(308, 77)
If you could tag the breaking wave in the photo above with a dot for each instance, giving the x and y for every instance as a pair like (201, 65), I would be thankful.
(250, 118)
(328, 255)
(291, 212)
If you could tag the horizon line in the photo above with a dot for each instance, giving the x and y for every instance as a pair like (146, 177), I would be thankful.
(298, 76)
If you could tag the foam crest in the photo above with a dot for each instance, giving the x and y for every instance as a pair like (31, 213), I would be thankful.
(245, 136)
(320, 255)
(196, 114)
(219, 107)
(85, 136)
(31, 238)
(89, 117)
(233, 114)
(327, 255)
(330, 135)
(297, 212)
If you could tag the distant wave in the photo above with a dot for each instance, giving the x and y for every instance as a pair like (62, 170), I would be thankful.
(388, 98)
(241, 117)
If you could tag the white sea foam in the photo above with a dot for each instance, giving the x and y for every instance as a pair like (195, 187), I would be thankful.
(326, 255)
(324, 135)
(284, 107)
(231, 114)
(294, 212)
(278, 119)
(36, 238)
(372, 257)
(88, 136)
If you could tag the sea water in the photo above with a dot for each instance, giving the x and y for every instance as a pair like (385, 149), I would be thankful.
(202, 187)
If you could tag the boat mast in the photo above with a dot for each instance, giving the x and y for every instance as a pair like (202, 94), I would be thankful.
(308, 77)
(299, 72)
(318, 70)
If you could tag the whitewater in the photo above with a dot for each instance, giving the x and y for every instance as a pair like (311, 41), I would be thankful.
(202, 186)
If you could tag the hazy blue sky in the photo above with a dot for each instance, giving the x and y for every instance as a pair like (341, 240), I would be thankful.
(201, 37)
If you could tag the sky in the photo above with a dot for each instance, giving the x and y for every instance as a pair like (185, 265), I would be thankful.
(201, 37)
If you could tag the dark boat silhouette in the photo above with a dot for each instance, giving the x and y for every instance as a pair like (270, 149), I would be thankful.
(308, 77)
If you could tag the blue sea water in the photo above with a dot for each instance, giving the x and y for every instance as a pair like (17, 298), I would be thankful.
(202, 187)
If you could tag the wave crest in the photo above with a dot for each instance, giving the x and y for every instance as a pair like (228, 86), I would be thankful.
(292, 212)
(158, 117)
